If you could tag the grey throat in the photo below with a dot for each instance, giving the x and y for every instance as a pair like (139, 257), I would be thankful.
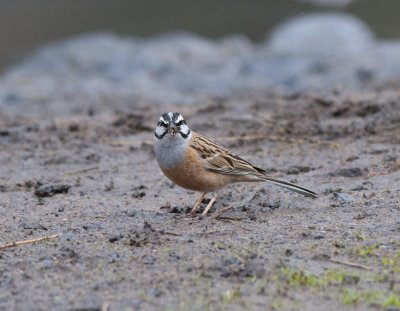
(170, 150)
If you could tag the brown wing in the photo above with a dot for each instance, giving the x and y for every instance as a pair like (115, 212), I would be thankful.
(218, 159)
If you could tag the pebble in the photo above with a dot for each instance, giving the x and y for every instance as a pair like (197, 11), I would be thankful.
(343, 197)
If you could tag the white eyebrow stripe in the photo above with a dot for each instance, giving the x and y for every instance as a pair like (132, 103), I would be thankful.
(180, 118)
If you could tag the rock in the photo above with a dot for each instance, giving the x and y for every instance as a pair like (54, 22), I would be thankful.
(48, 190)
(321, 35)
(176, 209)
(297, 169)
(115, 238)
(33, 224)
(139, 191)
(189, 238)
(154, 292)
(314, 52)
(343, 197)
(46, 263)
(350, 172)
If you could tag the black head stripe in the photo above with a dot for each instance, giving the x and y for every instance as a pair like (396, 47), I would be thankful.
(178, 119)
(162, 123)
(180, 122)
(164, 120)
(160, 136)
(166, 117)
(175, 116)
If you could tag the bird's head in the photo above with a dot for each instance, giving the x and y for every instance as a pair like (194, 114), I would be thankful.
(172, 124)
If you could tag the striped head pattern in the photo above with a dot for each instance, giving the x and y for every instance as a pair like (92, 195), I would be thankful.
(173, 124)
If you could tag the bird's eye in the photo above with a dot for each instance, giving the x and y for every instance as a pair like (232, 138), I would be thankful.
(180, 123)
(163, 124)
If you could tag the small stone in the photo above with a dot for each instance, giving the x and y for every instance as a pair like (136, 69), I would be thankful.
(343, 197)
(47, 263)
(389, 158)
(154, 292)
(350, 172)
(188, 238)
(114, 238)
(176, 209)
(49, 190)
(131, 214)
(297, 169)
(289, 252)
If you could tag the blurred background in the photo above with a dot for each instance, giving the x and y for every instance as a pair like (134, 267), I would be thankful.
(26, 24)
(63, 56)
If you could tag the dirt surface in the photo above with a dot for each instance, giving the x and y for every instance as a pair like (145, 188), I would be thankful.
(124, 242)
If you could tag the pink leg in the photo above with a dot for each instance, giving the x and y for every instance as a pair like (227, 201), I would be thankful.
(210, 204)
(196, 206)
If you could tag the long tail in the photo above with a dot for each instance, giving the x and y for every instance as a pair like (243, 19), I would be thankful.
(290, 186)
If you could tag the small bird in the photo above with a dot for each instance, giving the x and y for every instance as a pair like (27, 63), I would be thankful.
(194, 162)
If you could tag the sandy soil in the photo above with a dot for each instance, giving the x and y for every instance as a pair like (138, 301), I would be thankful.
(124, 242)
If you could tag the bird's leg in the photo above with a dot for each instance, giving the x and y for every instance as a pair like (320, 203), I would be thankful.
(196, 206)
(209, 205)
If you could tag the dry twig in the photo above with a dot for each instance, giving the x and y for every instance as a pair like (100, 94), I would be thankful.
(231, 218)
(221, 211)
(350, 264)
(85, 170)
(17, 243)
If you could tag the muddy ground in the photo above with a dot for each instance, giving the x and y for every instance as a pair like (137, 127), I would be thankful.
(124, 242)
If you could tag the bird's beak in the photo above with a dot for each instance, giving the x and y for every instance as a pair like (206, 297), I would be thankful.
(173, 131)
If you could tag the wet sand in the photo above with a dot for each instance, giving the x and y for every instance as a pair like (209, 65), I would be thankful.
(124, 242)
